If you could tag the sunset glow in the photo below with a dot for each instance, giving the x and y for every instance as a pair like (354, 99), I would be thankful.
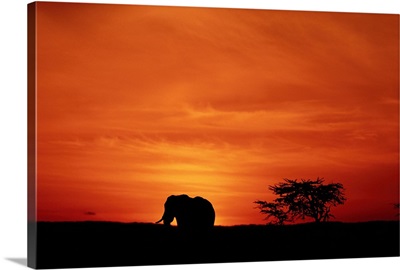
(135, 103)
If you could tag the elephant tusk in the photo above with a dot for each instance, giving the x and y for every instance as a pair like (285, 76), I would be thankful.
(159, 221)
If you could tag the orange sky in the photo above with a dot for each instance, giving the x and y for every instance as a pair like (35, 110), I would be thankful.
(137, 103)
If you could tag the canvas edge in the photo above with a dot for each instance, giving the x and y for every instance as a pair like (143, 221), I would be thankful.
(31, 136)
(31, 125)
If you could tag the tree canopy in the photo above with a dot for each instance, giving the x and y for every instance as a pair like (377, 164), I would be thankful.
(301, 199)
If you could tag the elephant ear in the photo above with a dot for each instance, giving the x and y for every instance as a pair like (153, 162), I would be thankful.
(180, 203)
(185, 199)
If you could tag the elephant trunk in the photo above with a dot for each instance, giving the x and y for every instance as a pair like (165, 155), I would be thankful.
(166, 219)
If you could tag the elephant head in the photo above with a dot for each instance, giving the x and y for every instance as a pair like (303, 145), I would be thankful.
(190, 213)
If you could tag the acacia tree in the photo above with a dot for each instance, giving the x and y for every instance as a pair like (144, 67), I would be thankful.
(274, 210)
(301, 199)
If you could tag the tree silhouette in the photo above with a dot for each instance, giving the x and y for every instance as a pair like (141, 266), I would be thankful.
(274, 210)
(301, 199)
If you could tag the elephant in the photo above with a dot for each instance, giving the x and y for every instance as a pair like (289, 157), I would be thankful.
(191, 213)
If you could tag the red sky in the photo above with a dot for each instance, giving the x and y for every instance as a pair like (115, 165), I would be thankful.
(136, 103)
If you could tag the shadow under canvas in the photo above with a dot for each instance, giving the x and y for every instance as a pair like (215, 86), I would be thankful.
(20, 261)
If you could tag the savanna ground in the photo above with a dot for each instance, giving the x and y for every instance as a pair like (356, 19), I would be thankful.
(98, 244)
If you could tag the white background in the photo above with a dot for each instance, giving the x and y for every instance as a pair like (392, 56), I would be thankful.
(13, 128)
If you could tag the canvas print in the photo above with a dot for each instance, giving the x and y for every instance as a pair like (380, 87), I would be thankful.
(180, 135)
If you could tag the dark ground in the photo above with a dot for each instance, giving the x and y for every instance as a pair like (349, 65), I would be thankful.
(101, 244)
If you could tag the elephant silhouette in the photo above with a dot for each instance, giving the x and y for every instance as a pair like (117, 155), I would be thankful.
(191, 213)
